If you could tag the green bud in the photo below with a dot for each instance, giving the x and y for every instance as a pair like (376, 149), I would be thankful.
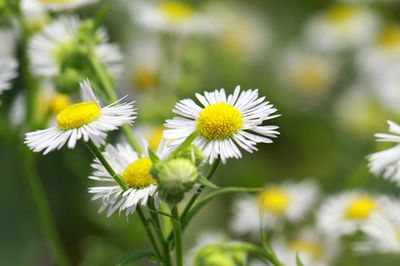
(175, 177)
(214, 255)
(192, 153)
(68, 81)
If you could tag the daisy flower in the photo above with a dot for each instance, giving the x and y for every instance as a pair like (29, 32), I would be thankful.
(135, 172)
(86, 120)
(173, 17)
(382, 230)
(223, 123)
(346, 213)
(275, 204)
(310, 245)
(341, 27)
(8, 71)
(52, 49)
(309, 73)
(387, 162)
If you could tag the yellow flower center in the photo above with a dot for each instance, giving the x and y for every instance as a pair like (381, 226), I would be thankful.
(341, 14)
(144, 79)
(155, 137)
(360, 208)
(219, 121)
(274, 199)
(77, 115)
(176, 12)
(59, 102)
(311, 249)
(54, 1)
(137, 174)
(311, 77)
(390, 37)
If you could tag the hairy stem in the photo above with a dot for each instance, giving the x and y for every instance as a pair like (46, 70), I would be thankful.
(178, 236)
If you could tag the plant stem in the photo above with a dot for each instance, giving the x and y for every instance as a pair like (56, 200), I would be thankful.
(178, 236)
(108, 88)
(42, 207)
(97, 153)
(148, 230)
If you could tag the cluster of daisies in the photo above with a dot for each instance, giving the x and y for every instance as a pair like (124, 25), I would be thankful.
(223, 124)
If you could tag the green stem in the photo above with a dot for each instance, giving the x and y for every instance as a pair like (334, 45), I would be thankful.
(158, 229)
(178, 235)
(97, 153)
(108, 88)
(42, 208)
(148, 230)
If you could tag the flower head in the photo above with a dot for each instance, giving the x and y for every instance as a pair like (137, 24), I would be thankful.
(59, 5)
(86, 120)
(135, 172)
(345, 213)
(276, 203)
(223, 123)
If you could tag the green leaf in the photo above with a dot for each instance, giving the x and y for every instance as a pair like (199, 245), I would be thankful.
(207, 183)
(298, 260)
(137, 255)
(153, 156)
(196, 208)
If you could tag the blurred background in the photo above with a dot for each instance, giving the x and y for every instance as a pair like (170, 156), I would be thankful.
(331, 68)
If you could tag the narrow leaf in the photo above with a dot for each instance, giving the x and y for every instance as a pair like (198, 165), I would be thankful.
(207, 183)
(153, 156)
(137, 255)
(298, 260)
(184, 144)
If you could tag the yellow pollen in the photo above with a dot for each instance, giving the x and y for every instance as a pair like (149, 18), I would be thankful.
(311, 249)
(273, 199)
(77, 115)
(219, 121)
(360, 208)
(137, 174)
(176, 12)
(390, 37)
(59, 102)
(55, 1)
(155, 137)
(341, 14)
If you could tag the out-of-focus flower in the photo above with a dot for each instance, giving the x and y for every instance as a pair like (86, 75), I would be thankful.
(241, 32)
(60, 5)
(310, 74)
(85, 120)
(358, 111)
(382, 230)
(135, 172)
(173, 17)
(382, 55)
(342, 27)
(56, 49)
(8, 71)
(151, 133)
(310, 245)
(35, 14)
(387, 162)
(8, 42)
(345, 213)
(223, 123)
(276, 204)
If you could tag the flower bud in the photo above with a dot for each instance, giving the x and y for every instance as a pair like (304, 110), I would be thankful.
(218, 256)
(192, 153)
(175, 177)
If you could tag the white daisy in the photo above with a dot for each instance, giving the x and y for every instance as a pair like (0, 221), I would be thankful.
(60, 5)
(309, 73)
(35, 14)
(382, 230)
(341, 27)
(387, 162)
(276, 203)
(135, 172)
(8, 71)
(8, 44)
(310, 245)
(345, 213)
(223, 123)
(173, 17)
(85, 120)
(57, 44)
